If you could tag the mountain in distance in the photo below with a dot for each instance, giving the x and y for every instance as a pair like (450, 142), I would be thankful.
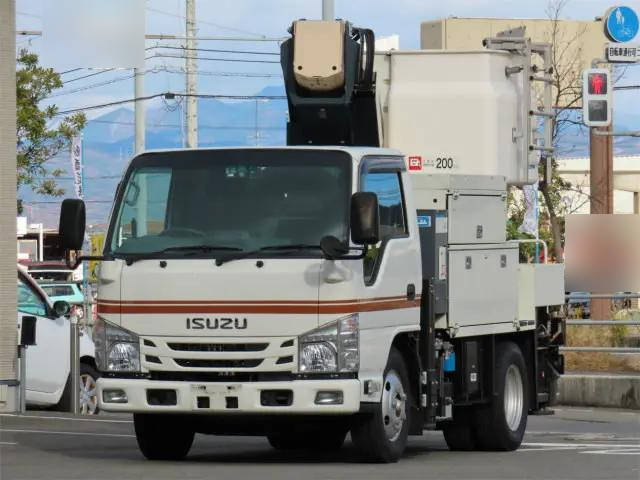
(109, 143)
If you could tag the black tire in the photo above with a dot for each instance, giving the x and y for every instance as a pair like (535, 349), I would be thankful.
(460, 433)
(493, 431)
(64, 405)
(330, 440)
(163, 437)
(368, 432)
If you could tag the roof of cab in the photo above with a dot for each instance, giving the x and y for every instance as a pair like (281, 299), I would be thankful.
(356, 152)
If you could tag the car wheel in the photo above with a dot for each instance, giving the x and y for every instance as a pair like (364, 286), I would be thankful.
(88, 398)
(88, 401)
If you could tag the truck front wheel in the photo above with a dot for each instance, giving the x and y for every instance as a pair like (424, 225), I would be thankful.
(501, 425)
(163, 437)
(382, 436)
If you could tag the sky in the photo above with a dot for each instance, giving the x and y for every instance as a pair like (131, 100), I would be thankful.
(272, 18)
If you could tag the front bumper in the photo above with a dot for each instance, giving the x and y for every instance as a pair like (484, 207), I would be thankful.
(248, 395)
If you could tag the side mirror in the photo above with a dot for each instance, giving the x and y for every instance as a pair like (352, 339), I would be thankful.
(72, 224)
(61, 308)
(365, 218)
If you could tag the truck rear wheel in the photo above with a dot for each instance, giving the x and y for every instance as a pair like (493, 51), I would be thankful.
(382, 436)
(501, 425)
(163, 437)
(460, 433)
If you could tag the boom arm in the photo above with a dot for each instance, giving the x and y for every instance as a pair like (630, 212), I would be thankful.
(330, 84)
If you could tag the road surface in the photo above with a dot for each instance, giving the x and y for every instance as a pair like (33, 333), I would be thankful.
(573, 444)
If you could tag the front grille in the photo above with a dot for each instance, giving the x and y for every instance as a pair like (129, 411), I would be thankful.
(218, 347)
(226, 363)
(224, 354)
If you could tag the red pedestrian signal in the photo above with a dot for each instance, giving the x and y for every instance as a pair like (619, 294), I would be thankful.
(596, 97)
(597, 84)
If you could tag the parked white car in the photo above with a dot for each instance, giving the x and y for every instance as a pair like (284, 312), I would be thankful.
(48, 380)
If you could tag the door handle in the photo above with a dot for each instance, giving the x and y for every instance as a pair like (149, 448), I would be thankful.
(411, 292)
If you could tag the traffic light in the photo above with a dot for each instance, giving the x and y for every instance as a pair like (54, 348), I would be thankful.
(596, 97)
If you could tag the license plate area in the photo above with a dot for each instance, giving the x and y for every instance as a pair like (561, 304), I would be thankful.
(215, 396)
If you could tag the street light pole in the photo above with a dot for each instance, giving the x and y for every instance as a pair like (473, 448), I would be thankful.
(8, 254)
(328, 10)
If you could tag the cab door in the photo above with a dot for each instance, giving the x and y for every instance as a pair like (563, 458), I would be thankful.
(48, 359)
(384, 288)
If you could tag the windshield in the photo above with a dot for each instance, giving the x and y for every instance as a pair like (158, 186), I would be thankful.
(231, 199)
(58, 290)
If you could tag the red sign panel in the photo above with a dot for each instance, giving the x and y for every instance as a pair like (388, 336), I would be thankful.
(415, 163)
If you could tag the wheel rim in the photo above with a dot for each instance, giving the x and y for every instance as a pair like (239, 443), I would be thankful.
(393, 406)
(513, 397)
(88, 396)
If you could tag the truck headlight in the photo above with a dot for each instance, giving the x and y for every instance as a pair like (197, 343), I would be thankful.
(117, 349)
(334, 347)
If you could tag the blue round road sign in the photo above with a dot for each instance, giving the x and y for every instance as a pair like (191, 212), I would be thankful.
(621, 24)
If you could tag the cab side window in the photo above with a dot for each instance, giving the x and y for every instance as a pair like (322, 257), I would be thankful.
(29, 301)
(387, 186)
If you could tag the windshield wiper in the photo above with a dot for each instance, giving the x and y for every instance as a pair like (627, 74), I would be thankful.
(134, 257)
(289, 248)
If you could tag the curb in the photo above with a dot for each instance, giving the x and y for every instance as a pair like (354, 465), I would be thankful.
(614, 391)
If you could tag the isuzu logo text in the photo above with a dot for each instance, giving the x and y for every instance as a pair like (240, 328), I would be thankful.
(200, 323)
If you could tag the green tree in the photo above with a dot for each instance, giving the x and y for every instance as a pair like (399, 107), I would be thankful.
(41, 134)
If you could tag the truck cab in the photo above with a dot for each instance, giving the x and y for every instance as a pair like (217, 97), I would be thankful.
(216, 271)
(352, 281)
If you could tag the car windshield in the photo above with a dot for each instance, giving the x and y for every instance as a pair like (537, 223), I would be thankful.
(204, 202)
(58, 290)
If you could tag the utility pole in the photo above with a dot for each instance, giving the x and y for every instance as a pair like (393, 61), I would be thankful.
(8, 207)
(139, 110)
(601, 166)
(328, 10)
(192, 86)
(601, 195)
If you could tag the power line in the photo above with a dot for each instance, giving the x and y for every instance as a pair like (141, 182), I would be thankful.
(201, 127)
(89, 75)
(216, 50)
(239, 60)
(627, 87)
(182, 57)
(32, 15)
(223, 74)
(222, 27)
(95, 85)
(165, 70)
(69, 71)
(170, 95)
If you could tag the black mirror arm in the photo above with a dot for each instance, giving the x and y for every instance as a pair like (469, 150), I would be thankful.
(79, 259)
(360, 256)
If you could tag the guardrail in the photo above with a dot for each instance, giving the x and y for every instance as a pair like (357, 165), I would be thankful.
(596, 323)
(545, 248)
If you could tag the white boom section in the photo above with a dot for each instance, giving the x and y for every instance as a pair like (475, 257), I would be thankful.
(457, 112)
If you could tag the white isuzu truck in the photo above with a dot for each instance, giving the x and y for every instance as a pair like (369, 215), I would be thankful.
(357, 280)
